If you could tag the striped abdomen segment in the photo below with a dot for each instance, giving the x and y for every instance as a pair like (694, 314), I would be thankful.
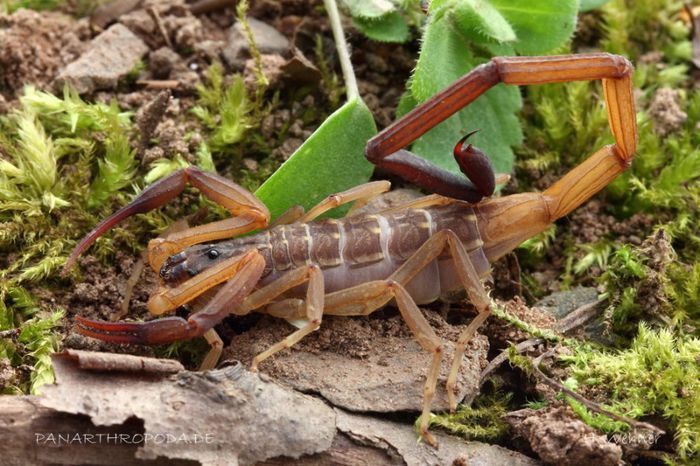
(358, 249)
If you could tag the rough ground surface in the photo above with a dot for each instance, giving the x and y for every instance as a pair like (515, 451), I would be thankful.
(367, 365)
(34, 46)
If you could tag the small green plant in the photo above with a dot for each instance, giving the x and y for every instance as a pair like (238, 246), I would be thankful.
(224, 109)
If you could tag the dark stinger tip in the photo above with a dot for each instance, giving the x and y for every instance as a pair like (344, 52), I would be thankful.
(475, 165)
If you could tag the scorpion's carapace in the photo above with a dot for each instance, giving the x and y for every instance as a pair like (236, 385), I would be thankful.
(409, 255)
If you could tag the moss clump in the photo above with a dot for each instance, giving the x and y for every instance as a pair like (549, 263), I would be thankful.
(48, 149)
(658, 375)
(482, 421)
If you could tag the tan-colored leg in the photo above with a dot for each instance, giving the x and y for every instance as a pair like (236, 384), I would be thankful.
(364, 299)
(362, 193)
(313, 305)
(291, 215)
(421, 203)
(214, 354)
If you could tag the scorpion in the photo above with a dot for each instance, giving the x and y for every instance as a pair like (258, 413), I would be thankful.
(305, 268)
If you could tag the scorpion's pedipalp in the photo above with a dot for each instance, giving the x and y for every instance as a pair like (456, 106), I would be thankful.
(155, 195)
(170, 329)
(225, 192)
(154, 332)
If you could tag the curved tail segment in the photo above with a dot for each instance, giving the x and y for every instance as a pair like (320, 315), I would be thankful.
(386, 149)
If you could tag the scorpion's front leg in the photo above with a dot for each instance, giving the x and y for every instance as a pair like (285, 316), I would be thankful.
(249, 213)
(241, 274)
(312, 306)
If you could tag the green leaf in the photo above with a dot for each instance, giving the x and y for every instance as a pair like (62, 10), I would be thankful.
(587, 5)
(480, 16)
(369, 8)
(331, 160)
(540, 25)
(391, 27)
(443, 59)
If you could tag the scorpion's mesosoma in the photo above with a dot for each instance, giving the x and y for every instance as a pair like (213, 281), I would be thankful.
(355, 265)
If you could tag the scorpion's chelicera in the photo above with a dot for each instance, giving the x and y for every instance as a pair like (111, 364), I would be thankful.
(302, 268)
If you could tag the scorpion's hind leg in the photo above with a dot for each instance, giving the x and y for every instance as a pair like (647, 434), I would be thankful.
(242, 273)
(362, 194)
(364, 299)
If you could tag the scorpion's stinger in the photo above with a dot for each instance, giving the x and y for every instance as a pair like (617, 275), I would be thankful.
(476, 166)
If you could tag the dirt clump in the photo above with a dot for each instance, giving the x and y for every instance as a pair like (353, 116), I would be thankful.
(35, 46)
(665, 111)
(560, 439)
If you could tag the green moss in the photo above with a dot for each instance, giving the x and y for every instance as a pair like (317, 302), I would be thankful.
(482, 421)
(49, 148)
(224, 109)
(633, 28)
(658, 375)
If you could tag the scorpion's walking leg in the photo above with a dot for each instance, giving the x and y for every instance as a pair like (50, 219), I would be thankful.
(291, 215)
(364, 299)
(361, 193)
(250, 214)
(241, 274)
(313, 305)
(214, 354)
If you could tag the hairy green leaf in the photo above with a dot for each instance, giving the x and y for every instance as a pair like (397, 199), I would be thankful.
(391, 27)
(331, 160)
(369, 8)
(587, 5)
(481, 17)
(443, 59)
(540, 25)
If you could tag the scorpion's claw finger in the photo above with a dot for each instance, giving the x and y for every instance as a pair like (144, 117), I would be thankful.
(154, 332)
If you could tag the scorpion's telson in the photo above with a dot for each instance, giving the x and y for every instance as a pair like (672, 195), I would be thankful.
(356, 265)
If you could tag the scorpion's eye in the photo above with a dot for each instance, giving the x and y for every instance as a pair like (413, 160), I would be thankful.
(213, 254)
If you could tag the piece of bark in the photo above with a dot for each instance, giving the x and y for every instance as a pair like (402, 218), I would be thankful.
(400, 440)
(96, 416)
(228, 415)
(92, 360)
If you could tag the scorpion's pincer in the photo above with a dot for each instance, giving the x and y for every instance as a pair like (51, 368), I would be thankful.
(154, 332)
